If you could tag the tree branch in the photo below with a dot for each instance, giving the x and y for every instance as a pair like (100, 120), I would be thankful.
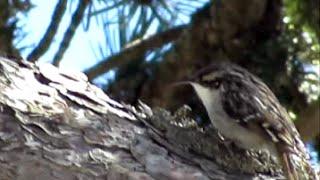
(75, 21)
(56, 125)
(52, 29)
(134, 51)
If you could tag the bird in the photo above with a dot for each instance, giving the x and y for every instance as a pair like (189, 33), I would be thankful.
(243, 109)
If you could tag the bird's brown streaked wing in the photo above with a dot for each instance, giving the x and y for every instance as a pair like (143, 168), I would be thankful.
(256, 106)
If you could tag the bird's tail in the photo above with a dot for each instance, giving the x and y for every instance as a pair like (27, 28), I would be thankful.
(288, 167)
(296, 167)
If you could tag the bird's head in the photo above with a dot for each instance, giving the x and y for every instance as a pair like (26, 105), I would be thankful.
(221, 86)
(208, 84)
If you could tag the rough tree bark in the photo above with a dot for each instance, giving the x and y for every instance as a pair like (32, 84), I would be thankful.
(56, 125)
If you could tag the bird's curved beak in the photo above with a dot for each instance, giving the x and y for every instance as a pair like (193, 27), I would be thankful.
(180, 83)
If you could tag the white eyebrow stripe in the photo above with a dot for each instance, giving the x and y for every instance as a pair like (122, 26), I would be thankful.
(209, 77)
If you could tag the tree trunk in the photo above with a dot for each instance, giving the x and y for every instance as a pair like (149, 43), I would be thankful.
(56, 125)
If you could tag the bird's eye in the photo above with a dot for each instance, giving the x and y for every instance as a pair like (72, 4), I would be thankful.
(216, 84)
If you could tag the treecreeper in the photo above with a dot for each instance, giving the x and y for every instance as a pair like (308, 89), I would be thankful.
(244, 110)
